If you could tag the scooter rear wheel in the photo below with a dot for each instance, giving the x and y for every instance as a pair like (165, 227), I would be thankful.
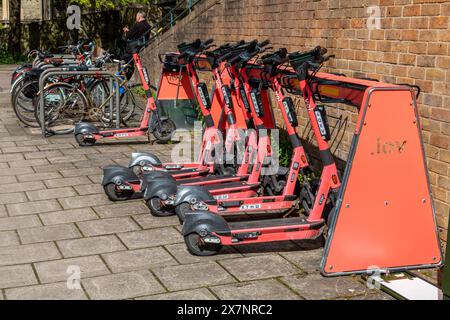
(181, 210)
(164, 133)
(83, 142)
(114, 195)
(197, 247)
(157, 209)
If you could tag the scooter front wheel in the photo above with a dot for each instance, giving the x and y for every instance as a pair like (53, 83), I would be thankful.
(164, 132)
(198, 247)
(157, 208)
(115, 195)
(82, 142)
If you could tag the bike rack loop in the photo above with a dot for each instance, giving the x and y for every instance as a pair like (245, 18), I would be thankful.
(64, 72)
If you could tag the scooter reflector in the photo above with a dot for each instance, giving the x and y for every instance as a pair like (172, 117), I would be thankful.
(384, 218)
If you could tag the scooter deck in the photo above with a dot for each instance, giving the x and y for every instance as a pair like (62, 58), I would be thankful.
(212, 179)
(189, 170)
(231, 185)
(269, 223)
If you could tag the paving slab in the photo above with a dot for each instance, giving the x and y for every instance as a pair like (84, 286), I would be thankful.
(270, 289)
(107, 226)
(139, 259)
(33, 207)
(48, 233)
(259, 267)
(90, 246)
(28, 253)
(324, 288)
(60, 270)
(150, 238)
(66, 216)
(195, 294)
(8, 238)
(193, 276)
(53, 291)
(13, 223)
(122, 285)
(17, 276)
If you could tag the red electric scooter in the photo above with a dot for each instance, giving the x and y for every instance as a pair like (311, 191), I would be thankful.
(162, 128)
(205, 232)
(121, 183)
(180, 194)
(158, 190)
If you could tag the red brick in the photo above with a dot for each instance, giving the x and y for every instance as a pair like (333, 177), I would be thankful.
(410, 35)
(413, 10)
(440, 141)
(419, 23)
(441, 114)
(426, 61)
(430, 10)
(437, 166)
(409, 59)
(428, 35)
(435, 74)
(437, 48)
(439, 23)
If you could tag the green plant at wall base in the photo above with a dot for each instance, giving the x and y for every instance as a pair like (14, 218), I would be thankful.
(285, 150)
(199, 112)
(283, 146)
(5, 57)
(139, 91)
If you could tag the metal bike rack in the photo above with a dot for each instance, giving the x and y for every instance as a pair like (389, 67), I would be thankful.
(92, 72)
(66, 57)
(42, 63)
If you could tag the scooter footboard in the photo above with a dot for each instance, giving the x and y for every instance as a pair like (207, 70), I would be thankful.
(384, 215)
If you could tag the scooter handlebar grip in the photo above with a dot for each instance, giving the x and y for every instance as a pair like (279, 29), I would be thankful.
(234, 59)
(208, 42)
(264, 43)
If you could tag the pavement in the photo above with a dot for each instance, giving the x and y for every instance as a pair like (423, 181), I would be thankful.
(57, 226)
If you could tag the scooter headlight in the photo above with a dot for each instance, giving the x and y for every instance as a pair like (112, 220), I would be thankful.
(200, 206)
(146, 168)
(169, 201)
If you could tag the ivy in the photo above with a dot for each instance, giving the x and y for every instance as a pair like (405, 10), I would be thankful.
(109, 4)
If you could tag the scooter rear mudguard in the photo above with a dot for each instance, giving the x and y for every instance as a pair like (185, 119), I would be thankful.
(158, 184)
(143, 159)
(118, 175)
(85, 128)
(192, 194)
(204, 223)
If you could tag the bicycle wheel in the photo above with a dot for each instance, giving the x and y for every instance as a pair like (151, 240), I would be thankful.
(23, 102)
(65, 105)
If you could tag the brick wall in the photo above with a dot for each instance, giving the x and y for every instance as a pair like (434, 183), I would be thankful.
(412, 46)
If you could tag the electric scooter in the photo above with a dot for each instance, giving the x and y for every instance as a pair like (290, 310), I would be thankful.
(206, 232)
(231, 193)
(162, 128)
(121, 183)
(280, 193)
